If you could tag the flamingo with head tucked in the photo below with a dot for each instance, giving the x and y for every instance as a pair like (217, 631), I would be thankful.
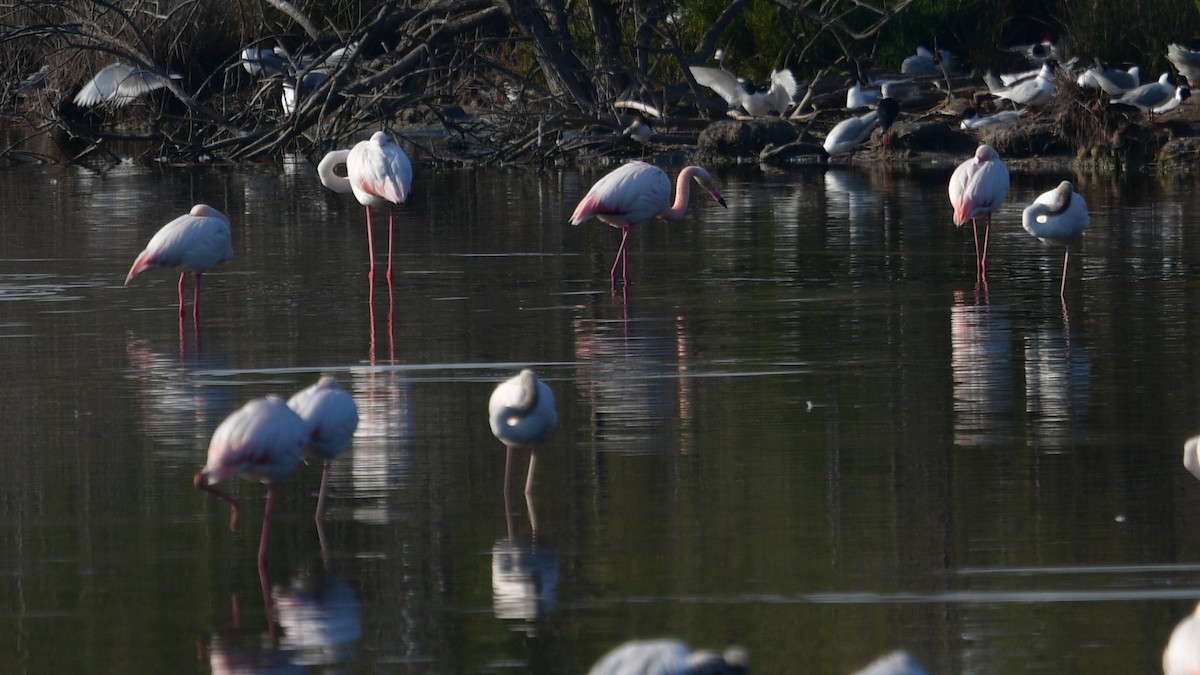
(379, 174)
(522, 413)
(195, 243)
(637, 192)
(262, 441)
(331, 417)
(977, 189)
(1058, 217)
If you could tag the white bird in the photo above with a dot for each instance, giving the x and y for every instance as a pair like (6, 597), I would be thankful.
(1182, 93)
(971, 119)
(1036, 91)
(1057, 217)
(669, 657)
(635, 193)
(850, 133)
(522, 413)
(1112, 81)
(292, 93)
(739, 92)
(1191, 456)
(265, 61)
(1009, 79)
(859, 97)
(898, 662)
(36, 79)
(119, 84)
(262, 441)
(379, 174)
(1148, 96)
(195, 243)
(1182, 653)
(1186, 61)
(925, 63)
(977, 189)
(1037, 53)
(331, 417)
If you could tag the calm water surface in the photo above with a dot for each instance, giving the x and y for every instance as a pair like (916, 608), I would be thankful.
(807, 429)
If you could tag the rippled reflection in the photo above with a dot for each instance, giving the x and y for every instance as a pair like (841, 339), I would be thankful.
(524, 574)
(380, 462)
(1058, 373)
(982, 362)
(320, 618)
(633, 373)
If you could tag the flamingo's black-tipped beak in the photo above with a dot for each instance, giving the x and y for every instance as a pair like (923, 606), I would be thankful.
(717, 196)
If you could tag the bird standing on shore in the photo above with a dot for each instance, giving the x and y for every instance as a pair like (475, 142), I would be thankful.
(195, 242)
(1058, 216)
(1148, 96)
(977, 189)
(1035, 91)
(635, 193)
(379, 174)
(849, 134)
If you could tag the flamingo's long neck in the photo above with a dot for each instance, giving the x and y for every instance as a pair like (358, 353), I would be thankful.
(683, 193)
(330, 179)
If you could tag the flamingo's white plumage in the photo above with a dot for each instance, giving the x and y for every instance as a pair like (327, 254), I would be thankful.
(977, 189)
(737, 92)
(379, 174)
(1182, 654)
(635, 193)
(330, 415)
(1058, 216)
(522, 413)
(261, 441)
(195, 242)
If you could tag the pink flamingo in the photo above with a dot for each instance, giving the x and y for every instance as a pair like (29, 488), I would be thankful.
(379, 174)
(195, 242)
(637, 192)
(522, 413)
(263, 441)
(331, 417)
(977, 189)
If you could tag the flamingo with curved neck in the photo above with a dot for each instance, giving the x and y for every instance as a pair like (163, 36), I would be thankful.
(635, 193)
(1058, 216)
(379, 174)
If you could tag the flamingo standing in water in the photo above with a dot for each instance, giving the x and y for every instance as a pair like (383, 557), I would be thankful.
(637, 192)
(522, 413)
(331, 417)
(977, 189)
(195, 242)
(379, 174)
(263, 441)
(1058, 217)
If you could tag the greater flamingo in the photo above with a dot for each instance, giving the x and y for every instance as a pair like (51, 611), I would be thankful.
(1182, 653)
(637, 192)
(379, 174)
(262, 441)
(1191, 456)
(195, 243)
(1057, 217)
(522, 414)
(638, 657)
(331, 417)
(977, 189)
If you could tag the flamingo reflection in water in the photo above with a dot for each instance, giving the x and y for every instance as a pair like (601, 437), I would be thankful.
(643, 657)
(321, 619)
(1058, 373)
(1182, 654)
(524, 573)
(381, 464)
(981, 360)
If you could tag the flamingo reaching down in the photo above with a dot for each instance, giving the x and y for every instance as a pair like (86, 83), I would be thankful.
(977, 189)
(522, 413)
(643, 657)
(119, 84)
(195, 243)
(637, 192)
(261, 441)
(379, 174)
(331, 417)
(1058, 217)
(739, 92)
(850, 133)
